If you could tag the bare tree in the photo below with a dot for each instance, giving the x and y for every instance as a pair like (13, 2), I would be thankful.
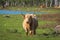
(56, 3)
(46, 3)
(51, 3)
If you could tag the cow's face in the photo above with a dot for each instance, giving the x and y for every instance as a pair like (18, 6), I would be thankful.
(28, 19)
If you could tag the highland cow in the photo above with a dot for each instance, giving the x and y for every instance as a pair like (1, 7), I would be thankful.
(30, 24)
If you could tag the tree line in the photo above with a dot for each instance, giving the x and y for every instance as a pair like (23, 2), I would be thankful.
(30, 3)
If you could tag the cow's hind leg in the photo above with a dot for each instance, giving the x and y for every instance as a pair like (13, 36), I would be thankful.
(34, 32)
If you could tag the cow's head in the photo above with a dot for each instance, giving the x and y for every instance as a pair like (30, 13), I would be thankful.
(28, 18)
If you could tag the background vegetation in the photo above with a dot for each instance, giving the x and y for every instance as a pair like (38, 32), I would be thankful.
(30, 3)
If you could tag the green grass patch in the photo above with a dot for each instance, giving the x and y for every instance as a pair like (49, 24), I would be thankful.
(11, 29)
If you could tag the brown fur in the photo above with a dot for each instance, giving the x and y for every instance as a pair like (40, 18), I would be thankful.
(30, 24)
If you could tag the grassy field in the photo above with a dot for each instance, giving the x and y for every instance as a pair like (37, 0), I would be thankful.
(11, 28)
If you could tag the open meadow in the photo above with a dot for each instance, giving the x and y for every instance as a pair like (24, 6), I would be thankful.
(11, 27)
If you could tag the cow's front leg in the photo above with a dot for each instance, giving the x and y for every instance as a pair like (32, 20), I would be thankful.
(27, 32)
(30, 32)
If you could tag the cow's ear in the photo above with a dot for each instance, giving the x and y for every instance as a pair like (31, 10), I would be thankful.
(23, 15)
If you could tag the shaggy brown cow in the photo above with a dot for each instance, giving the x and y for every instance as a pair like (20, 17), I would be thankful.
(30, 24)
